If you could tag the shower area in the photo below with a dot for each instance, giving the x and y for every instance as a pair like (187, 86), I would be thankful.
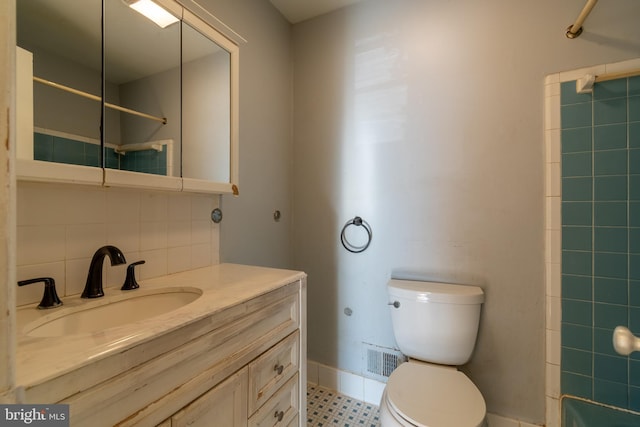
(592, 256)
(592, 139)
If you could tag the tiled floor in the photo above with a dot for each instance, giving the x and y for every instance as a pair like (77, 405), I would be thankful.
(329, 408)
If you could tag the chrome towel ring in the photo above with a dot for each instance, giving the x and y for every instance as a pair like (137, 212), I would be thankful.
(359, 222)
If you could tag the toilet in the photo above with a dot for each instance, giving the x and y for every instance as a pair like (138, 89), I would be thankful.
(435, 325)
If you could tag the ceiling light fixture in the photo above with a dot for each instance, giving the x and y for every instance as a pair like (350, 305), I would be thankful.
(154, 12)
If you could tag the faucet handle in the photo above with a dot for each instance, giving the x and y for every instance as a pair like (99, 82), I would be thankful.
(50, 297)
(130, 281)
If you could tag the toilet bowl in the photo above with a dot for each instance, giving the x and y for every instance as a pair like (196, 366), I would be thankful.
(426, 395)
(436, 326)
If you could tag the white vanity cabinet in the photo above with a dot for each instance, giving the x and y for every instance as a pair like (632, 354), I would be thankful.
(236, 358)
(225, 405)
(264, 392)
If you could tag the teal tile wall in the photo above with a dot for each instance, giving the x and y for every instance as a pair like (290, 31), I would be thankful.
(148, 161)
(600, 239)
(63, 150)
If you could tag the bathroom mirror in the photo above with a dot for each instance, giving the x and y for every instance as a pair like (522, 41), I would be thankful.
(206, 107)
(210, 93)
(142, 77)
(64, 39)
(170, 94)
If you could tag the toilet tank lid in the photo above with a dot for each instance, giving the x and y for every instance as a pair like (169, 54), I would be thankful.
(436, 292)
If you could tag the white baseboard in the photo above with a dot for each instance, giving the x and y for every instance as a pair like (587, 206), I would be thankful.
(344, 382)
(370, 391)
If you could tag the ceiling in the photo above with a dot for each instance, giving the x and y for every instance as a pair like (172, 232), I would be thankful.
(300, 10)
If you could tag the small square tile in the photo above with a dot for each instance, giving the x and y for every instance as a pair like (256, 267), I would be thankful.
(610, 214)
(610, 111)
(576, 361)
(602, 343)
(611, 188)
(577, 189)
(611, 239)
(610, 162)
(577, 336)
(611, 393)
(634, 108)
(634, 135)
(576, 164)
(575, 115)
(569, 95)
(576, 262)
(576, 287)
(580, 213)
(610, 89)
(608, 137)
(577, 385)
(634, 86)
(634, 293)
(577, 312)
(611, 291)
(610, 315)
(634, 187)
(610, 368)
(579, 139)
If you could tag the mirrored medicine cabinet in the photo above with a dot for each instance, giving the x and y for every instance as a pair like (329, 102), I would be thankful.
(106, 96)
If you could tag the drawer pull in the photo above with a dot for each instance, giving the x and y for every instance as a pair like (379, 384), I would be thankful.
(278, 369)
(279, 415)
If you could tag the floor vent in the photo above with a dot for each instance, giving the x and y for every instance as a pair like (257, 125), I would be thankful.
(381, 361)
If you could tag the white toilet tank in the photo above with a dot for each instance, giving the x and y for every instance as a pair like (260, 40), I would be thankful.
(435, 322)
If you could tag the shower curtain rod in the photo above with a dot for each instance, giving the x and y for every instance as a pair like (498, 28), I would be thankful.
(163, 120)
(575, 29)
(585, 83)
(614, 76)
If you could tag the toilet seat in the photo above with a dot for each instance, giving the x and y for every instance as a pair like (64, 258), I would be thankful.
(434, 396)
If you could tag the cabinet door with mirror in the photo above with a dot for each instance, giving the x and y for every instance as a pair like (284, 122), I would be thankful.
(209, 106)
(170, 92)
(142, 77)
(60, 68)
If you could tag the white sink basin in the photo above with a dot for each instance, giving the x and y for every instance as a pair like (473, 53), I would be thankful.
(103, 313)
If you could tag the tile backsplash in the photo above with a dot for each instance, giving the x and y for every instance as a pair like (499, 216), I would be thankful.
(61, 226)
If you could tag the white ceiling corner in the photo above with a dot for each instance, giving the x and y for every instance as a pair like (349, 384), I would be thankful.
(300, 10)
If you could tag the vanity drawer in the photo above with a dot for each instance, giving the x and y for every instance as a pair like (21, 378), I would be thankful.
(272, 369)
(281, 409)
(224, 405)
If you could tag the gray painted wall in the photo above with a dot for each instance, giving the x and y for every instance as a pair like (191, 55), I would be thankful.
(426, 118)
(249, 234)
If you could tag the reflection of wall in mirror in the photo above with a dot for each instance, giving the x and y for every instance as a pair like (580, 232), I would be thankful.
(158, 95)
(205, 129)
(206, 103)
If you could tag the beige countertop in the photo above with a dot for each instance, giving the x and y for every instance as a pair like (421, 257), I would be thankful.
(40, 359)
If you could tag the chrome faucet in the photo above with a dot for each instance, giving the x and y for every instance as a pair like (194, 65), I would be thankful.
(93, 287)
